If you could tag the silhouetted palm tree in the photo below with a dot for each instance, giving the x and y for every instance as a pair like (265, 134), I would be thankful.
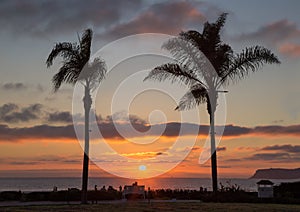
(76, 67)
(188, 48)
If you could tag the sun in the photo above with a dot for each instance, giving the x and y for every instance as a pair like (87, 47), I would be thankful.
(142, 168)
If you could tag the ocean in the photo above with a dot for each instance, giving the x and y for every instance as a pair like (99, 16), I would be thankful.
(47, 184)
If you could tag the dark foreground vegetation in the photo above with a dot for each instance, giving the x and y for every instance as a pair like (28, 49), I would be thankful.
(285, 193)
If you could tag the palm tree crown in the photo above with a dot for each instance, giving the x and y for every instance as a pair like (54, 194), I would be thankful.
(78, 68)
(205, 63)
(75, 62)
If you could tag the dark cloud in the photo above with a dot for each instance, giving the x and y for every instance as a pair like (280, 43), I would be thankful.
(117, 126)
(221, 148)
(277, 130)
(14, 86)
(123, 128)
(286, 148)
(36, 132)
(65, 117)
(167, 17)
(22, 162)
(8, 108)
(270, 156)
(280, 34)
(172, 129)
(231, 130)
(11, 113)
(44, 159)
(109, 19)
(108, 129)
(43, 18)
(122, 117)
(274, 33)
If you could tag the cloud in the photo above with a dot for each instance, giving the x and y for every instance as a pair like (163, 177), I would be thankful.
(42, 159)
(142, 155)
(44, 18)
(279, 35)
(270, 156)
(118, 126)
(290, 49)
(221, 148)
(277, 130)
(11, 113)
(273, 154)
(122, 128)
(122, 117)
(231, 130)
(64, 117)
(19, 86)
(286, 148)
(168, 17)
(109, 19)
(274, 33)
(36, 132)
(13, 86)
(7, 108)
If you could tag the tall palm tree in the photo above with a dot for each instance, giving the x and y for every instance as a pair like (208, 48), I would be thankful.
(204, 84)
(77, 67)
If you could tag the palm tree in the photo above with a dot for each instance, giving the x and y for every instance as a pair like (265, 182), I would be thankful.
(77, 68)
(189, 48)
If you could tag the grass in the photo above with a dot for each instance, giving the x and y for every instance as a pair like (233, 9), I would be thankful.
(158, 206)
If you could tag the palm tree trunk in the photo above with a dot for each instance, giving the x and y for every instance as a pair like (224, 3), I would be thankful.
(214, 173)
(85, 169)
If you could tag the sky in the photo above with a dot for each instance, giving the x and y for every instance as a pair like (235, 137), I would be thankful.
(37, 136)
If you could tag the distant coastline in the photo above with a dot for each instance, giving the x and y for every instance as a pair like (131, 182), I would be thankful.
(276, 173)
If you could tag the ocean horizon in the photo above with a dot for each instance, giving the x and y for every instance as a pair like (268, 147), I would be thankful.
(63, 183)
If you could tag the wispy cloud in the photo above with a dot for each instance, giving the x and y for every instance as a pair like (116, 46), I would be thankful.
(286, 148)
(290, 49)
(280, 34)
(168, 17)
(42, 159)
(44, 18)
(274, 33)
(14, 86)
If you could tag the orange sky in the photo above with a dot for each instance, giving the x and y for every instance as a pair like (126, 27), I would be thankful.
(236, 157)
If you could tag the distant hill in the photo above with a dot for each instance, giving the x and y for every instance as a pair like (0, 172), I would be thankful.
(276, 174)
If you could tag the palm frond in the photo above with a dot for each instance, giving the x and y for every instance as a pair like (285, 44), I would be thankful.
(195, 96)
(188, 55)
(68, 73)
(209, 43)
(93, 72)
(222, 58)
(211, 33)
(66, 50)
(174, 73)
(249, 60)
(85, 45)
(192, 36)
(221, 21)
